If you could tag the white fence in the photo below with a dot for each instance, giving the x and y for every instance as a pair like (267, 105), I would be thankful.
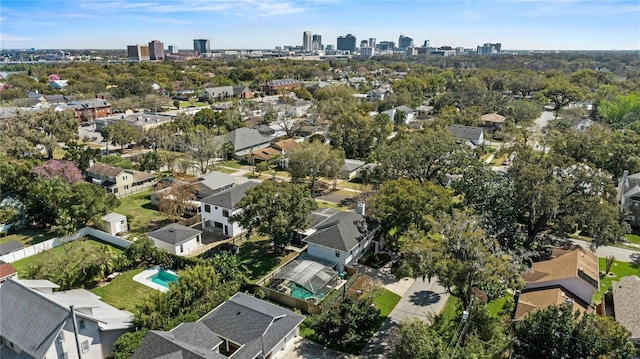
(54, 242)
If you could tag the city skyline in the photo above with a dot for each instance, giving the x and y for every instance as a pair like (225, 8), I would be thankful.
(517, 24)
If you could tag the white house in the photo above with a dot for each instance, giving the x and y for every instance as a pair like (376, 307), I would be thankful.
(408, 111)
(114, 223)
(177, 239)
(216, 209)
(342, 238)
(37, 322)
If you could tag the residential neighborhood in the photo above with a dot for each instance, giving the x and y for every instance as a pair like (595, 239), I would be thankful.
(316, 208)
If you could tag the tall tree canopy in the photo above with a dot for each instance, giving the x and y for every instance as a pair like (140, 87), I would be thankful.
(315, 160)
(276, 209)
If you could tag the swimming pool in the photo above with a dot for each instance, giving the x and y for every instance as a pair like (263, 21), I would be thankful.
(163, 278)
(300, 292)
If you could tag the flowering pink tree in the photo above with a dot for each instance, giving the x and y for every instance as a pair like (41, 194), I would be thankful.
(65, 170)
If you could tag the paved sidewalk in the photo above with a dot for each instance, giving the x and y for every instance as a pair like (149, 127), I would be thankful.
(306, 349)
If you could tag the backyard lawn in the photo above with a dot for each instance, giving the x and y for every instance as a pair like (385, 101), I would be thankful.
(257, 255)
(495, 306)
(34, 260)
(618, 270)
(143, 216)
(123, 292)
(28, 236)
(633, 237)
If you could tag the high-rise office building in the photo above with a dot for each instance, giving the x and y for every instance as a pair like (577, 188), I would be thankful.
(386, 45)
(364, 43)
(489, 49)
(201, 46)
(346, 43)
(138, 52)
(425, 44)
(316, 43)
(156, 50)
(404, 42)
(372, 42)
(173, 49)
(307, 39)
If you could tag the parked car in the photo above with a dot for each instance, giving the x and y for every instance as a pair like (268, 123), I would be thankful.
(506, 163)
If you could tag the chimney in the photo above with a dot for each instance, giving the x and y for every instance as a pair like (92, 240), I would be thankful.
(622, 186)
(360, 208)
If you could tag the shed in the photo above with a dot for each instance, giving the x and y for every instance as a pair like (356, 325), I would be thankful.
(114, 223)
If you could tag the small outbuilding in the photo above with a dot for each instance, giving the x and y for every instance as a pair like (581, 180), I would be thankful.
(114, 223)
(177, 239)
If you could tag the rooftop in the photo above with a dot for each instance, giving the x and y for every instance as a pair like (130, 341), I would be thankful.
(174, 233)
(626, 301)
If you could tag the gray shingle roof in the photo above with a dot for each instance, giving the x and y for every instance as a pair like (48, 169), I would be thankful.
(174, 233)
(230, 197)
(466, 132)
(215, 180)
(244, 138)
(28, 320)
(9, 247)
(342, 231)
(626, 300)
(167, 345)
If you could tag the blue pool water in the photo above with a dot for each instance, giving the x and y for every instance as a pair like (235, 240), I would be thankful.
(163, 278)
(300, 292)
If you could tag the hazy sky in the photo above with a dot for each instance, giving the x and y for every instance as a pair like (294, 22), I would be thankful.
(517, 24)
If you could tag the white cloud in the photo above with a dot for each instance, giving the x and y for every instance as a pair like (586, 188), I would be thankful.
(252, 8)
(13, 38)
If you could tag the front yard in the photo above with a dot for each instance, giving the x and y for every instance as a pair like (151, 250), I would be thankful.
(618, 270)
(143, 217)
(123, 292)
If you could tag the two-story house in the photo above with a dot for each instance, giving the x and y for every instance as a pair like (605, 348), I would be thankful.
(207, 185)
(571, 276)
(89, 110)
(276, 87)
(629, 197)
(218, 208)
(119, 181)
(342, 238)
(37, 322)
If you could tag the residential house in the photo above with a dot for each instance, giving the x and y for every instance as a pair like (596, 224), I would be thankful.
(208, 184)
(177, 239)
(570, 276)
(89, 110)
(7, 271)
(245, 140)
(217, 209)
(409, 114)
(342, 238)
(58, 84)
(114, 223)
(286, 148)
(276, 87)
(351, 169)
(468, 134)
(10, 246)
(224, 92)
(119, 181)
(261, 155)
(629, 197)
(626, 301)
(243, 327)
(37, 322)
(492, 120)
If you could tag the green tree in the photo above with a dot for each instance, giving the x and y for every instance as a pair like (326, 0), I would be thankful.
(276, 209)
(462, 257)
(150, 161)
(177, 198)
(414, 339)
(314, 160)
(402, 204)
(51, 127)
(203, 148)
(127, 343)
(123, 134)
(350, 323)
(559, 332)
(81, 155)
(88, 202)
(622, 111)
(561, 92)
(523, 111)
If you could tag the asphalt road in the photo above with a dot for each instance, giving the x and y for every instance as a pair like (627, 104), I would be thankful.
(621, 254)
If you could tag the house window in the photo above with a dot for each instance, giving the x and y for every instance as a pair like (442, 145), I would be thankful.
(122, 222)
(351, 251)
(124, 178)
(207, 208)
(61, 337)
(81, 324)
(225, 212)
(181, 248)
(126, 187)
(85, 346)
(338, 254)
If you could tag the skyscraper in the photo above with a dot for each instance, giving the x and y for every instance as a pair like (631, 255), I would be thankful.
(404, 42)
(372, 42)
(316, 43)
(307, 39)
(173, 49)
(156, 50)
(201, 46)
(138, 52)
(346, 43)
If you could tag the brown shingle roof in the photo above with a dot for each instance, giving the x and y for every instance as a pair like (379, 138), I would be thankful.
(104, 169)
(566, 265)
(288, 145)
(493, 117)
(265, 153)
(6, 269)
(541, 299)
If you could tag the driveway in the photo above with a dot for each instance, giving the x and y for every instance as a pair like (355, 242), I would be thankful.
(306, 349)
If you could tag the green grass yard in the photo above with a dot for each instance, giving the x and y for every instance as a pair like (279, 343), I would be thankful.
(495, 306)
(257, 255)
(28, 236)
(385, 300)
(143, 216)
(618, 270)
(123, 292)
(633, 237)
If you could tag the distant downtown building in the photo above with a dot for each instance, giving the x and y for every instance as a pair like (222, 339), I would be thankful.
(201, 46)
(138, 52)
(489, 49)
(173, 49)
(386, 45)
(316, 43)
(346, 43)
(156, 50)
(307, 40)
(404, 42)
